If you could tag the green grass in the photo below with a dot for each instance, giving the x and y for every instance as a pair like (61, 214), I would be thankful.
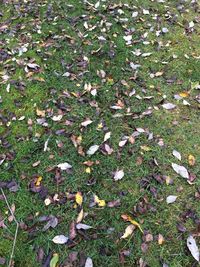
(59, 48)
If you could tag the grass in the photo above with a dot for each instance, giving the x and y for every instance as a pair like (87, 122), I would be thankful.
(53, 32)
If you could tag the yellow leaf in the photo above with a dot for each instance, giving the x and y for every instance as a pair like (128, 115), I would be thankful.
(79, 198)
(100, 202)
(145, 148)
(80, 216)
(191, 160)
(40, 113)
(38, 181)
(128, 218)
(184, 94)
(128, 231)
(160, 239)
(88, 170)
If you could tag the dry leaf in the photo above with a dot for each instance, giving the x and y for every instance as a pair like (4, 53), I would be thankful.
(191, 160)
(88, 262)
(181, 170)
(99, 202)
(80, 216)
(93, 149)
(128, 218)
(160, 239)
(192, 246)
(118, 175)
(79, 198)
(171, 199)
(60, 239)
(128, 231)
(176, 154)
(64, 166)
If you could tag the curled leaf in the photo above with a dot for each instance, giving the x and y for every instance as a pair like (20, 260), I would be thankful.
(128, 231)
(128, 218)
(54, 260)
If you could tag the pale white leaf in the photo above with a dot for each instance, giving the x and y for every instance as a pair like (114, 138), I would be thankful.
(128, 231)
(181, 170)
(57, 118)
(88, 262)
(86, 122)
(93, 149)
(127, 38)
(123, 142)
(171, 199)
(83, 226)
(64, 166)
(176, 154)
(168, 106)
(118, 175)
(192, 246)
(107, 136)
(60, 239)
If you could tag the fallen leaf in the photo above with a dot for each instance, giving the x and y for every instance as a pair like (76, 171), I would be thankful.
(64, 166)
(86, 123)
(80, 216)
(192, 246)
(128, 218)
(128, 231)
(88, 262)
(118, 175)
(99, 202)
(176, 154)
(171, 199)
(107, 136)
(60, 239)
(79, 198)
(93, 149)
(160, 239)
(168, 106)
(191, 160)
(54, 260)
(83, 226)
(181, 170)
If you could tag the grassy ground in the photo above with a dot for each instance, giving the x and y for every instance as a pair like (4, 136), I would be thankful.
(66, 36)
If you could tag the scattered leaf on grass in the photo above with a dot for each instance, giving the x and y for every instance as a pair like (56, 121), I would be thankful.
(191, 160)
(181, 170)
(60, 239)
(128, 218)
(176, 154)
(88, 262)
(64, 166)
(171, 199)
(79, 198)
(118, 175)
(161, 239)
(192, 246)
(93, 149)
(128, 231)
(54, 260)
(99, 202)
(83, 226)
(168, 106)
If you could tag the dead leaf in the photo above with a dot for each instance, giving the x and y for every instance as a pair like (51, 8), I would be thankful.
(171, 199)
(128, 231)
(192, 246)
(60, 239)
(181, 170)
(191, 160)
(88, 262)
(93, 149)
(118, 175)
(176, 154)
(128, 218)
(79, 198)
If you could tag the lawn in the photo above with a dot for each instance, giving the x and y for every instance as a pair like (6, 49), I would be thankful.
(99, 131)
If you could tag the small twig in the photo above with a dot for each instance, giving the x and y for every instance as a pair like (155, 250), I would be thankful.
(16, 231)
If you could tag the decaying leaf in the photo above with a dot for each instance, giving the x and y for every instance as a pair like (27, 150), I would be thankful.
(60, 239)
(83, 226)
(79, 198)
(171, 199)
(93, 149)
(192, 246)
(176, 154)
(181, 170)
(128, 218)
(118, 175)
(54, 260)
(168, 106)
(99, 202)
(88, 262)
(64, 166)
(128, 231)
(191, 160)
(161, 239)
(80, 216)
